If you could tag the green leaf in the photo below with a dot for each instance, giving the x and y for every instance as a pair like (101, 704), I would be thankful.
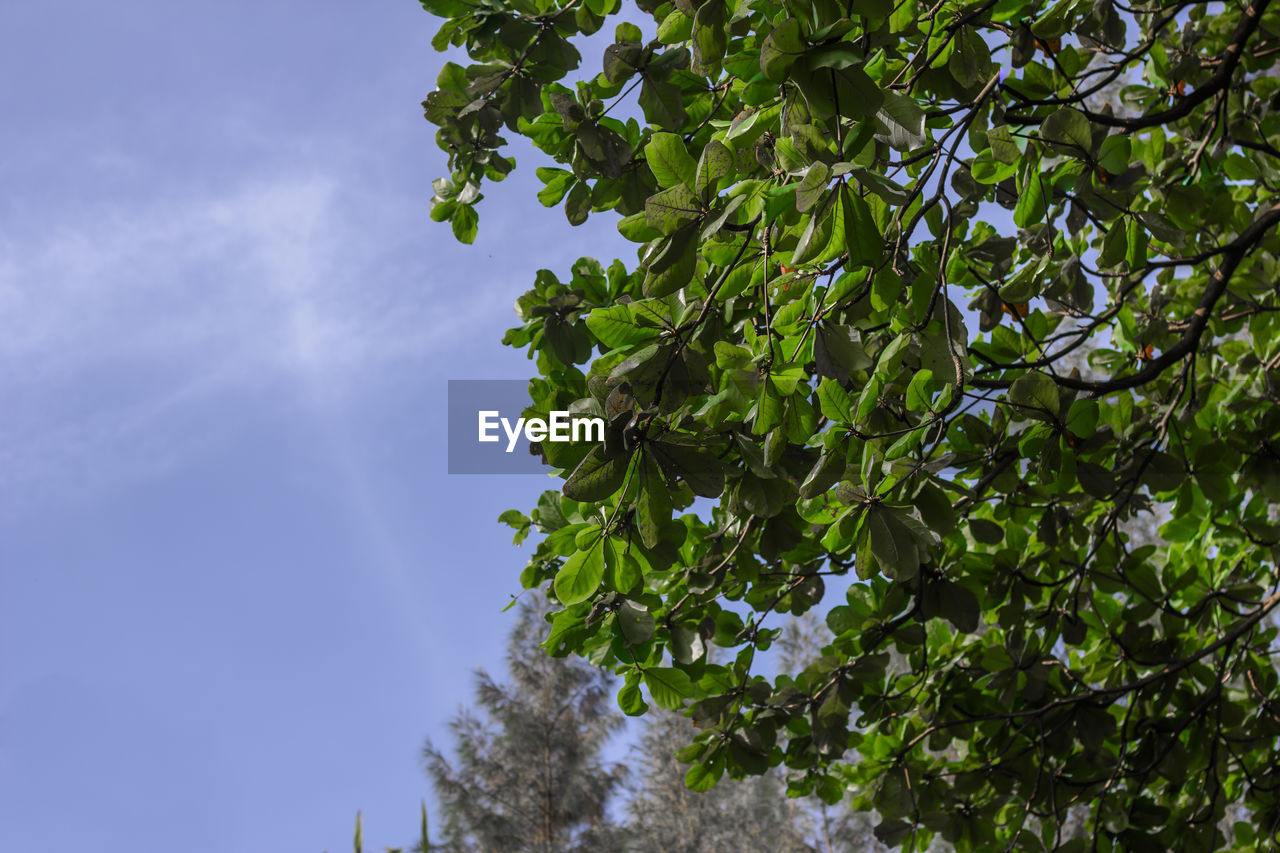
(653, 505)
(630, 699)
(1031, 199)
(673, 266)
(1082, 418)
(622, 571)
(1055, 21)
(696, 465)
(904, 118)
(1115, 153)
(919, 398)
(869, 398)
(960, 607)
(465, 223)
(635, 622)
(838, 56)
(514, 518)
(625, 31)
(640, 366)
(891, 833)
(891, 544)
(986, 531)
(1114, 246)
(970, 62)
(703, 777)
(1068, 131)
(667, 211)
(826, 472)
(519, 522)
(813, 187)
(1163, 472)
(871, 8)
(835, 402)
(668, 687)
(769, 408)
(621, 61)
(670, 162)
(597, 477)
(986, 170)
(558, 182)
(715, 164)
(709, 38)
(662, 103)
(446, 8)
(580, 576)
(881, 186)
(1004, 148)
(862, 237)
(578, 206)
(817, 231)
(675, 28)
(859, 96)
(1036, 394)
(781, 49)
(686, 645)
(618, 326)
(636, 228)
(1135, 254)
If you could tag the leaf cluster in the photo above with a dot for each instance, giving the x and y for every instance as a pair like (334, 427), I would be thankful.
(874, 241)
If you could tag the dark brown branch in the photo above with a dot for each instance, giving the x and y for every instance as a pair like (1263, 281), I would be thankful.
(1249, 21)
(1232, 254)
(1268, 605)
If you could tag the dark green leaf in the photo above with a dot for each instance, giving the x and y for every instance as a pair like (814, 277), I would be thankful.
(813, 187)
(596, 477)
(1036, 394)
(781, 49)
(1068, 130)
(904, 118)
(635, 622)
(715, 165)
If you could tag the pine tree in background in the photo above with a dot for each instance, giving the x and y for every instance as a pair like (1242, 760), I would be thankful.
(527, 772)
(528, 776)
(751, 815)
(837, 828)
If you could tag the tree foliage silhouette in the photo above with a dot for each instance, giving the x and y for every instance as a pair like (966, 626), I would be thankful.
(818, 189)
(664, 816)
(528, 774)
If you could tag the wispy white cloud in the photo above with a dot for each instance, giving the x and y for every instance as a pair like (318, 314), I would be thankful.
(118, 324)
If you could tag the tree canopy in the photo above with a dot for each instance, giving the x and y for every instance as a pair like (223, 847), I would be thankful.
(932, 304)
(528, 774)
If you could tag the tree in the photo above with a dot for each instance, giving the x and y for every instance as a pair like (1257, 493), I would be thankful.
(511, 778)
(839, 828)
(816, 189)
(530, 777)
(667, 817)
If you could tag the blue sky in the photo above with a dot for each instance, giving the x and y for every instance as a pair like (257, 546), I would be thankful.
(237, 588)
